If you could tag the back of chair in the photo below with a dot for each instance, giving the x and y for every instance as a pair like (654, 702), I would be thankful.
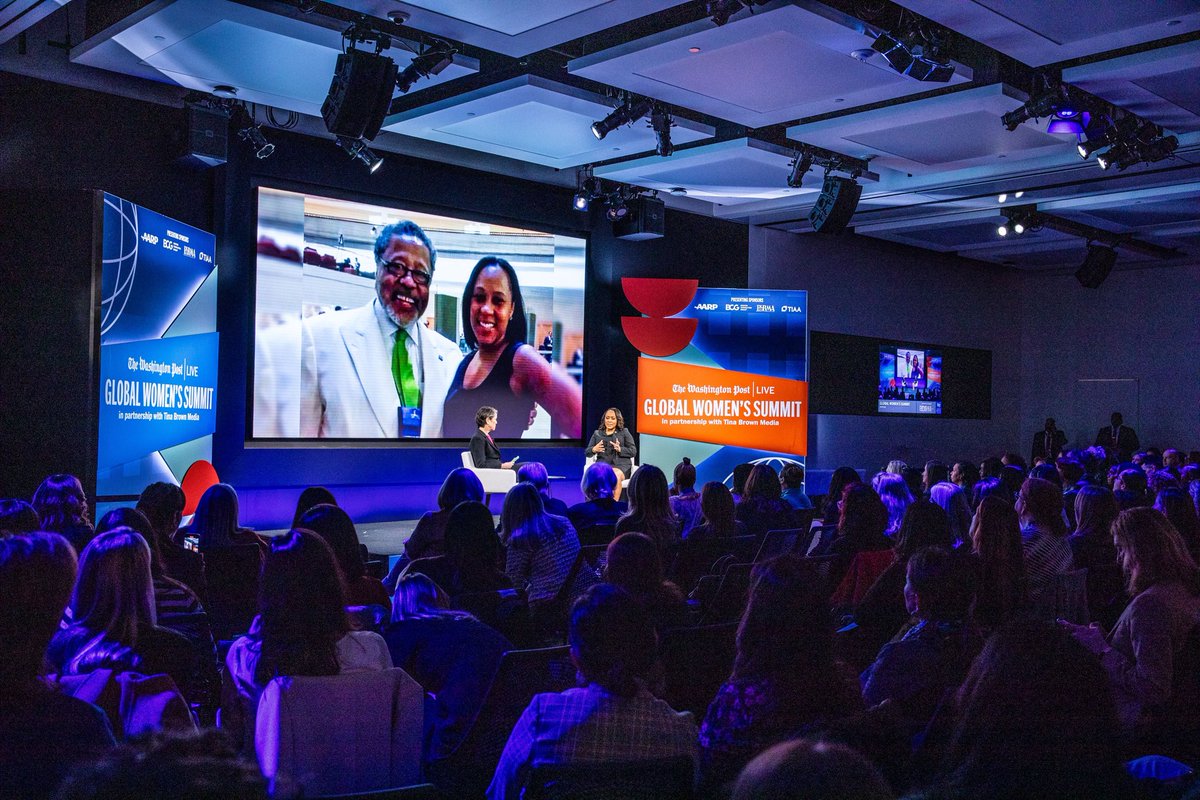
(232, 576)
(823, 536)
(696, 558)
(341, 733)
(729, 601)
(596, 535)
(696, 661)
(652, 779)
(504, 610)
(777, 543)
(467, 461)
(1065, 597)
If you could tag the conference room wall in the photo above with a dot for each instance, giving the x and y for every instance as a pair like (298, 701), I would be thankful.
(868, 287)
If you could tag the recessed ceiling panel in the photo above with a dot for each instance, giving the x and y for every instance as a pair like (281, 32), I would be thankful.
(20, 15)
(1039, 32)
(1147, 213)
(936, 141)
(759, 69)
(513, 27)
(1160, 85)
(534, 120)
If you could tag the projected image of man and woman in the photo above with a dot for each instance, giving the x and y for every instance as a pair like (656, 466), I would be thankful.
(442, 326)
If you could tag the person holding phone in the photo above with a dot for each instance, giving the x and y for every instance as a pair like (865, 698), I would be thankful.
(612, 444)
(484, 452)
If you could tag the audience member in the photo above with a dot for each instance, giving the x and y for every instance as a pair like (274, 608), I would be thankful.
(831, 509)
(990, 487)
(62, 508)
(473, 555)
(428, 538)
(741, 473)
(1011, 478)
(965, 475)
(1164, 583)
(1014, 460)
(612, 718)
(542, 548)
(1001, 591)
(717, 514)
(114, 624)
(215, 523)
(598, 508)
(1092, 542)
(893, 491)
(935, 472)
(762, 507)
(650, 509)
(162, 503)
(991, 467)
(1035, 720)
(1071, 477)
(791, 481)
(953, 500)
(1130, 488)
(808, 770)
(861, 528)
(1043, 533)
(1047, 472)
(170, 596)
(684, 499)
(450, 653)
(43, 730)
(931, 657)
(17, 516)
(1176, 506)
(896, 467)
(311, 497)
(301, 629)
(535, 472)
(335, 526)
(914, 478)
(784, 675)
(632, 562)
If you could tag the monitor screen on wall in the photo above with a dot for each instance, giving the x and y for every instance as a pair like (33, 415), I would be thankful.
(381, 322)
(910, 380)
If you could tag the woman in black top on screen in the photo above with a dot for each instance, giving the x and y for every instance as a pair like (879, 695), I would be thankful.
(502, 370)
(484, 452)
(612, 444)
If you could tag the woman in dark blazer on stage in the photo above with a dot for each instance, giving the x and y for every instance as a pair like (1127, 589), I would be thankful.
(484, 452)
(612, 444)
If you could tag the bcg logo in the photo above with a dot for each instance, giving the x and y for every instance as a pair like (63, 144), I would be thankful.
(659, 333)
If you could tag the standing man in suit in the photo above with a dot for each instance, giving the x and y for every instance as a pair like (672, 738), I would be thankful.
(1048, 443)
(1118, 439)
(377, 372)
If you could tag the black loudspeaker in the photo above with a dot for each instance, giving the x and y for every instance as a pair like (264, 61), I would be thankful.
(208, 134)
(359, 95)
(1096, 266)
(646, 220)
(835, 206)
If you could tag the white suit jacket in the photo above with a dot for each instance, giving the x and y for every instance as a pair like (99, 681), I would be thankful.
(346, 385)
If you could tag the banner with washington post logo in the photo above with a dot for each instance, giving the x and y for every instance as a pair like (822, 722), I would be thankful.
(158, 348)
(723, 375)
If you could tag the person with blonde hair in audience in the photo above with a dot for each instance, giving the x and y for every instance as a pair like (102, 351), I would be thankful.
(762, 506)
(62, 508)
(953, 500)
(44, 730)
(896, 497)
(1091, 542)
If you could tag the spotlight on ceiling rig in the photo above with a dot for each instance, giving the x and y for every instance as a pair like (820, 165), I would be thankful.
(624, 114)
(249, 131)
(359, 151)
(1096, 266)
(587, 189)
(435, 58)
(916, 51)
(661, 122)
(1017, 221)
(800, 167)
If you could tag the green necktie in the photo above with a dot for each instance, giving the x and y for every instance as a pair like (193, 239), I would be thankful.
(402, 372)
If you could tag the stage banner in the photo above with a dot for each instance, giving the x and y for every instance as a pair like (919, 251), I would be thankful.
(723, 375)
(158, 348)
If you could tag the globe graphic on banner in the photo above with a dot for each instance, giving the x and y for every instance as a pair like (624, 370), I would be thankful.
(120, 259)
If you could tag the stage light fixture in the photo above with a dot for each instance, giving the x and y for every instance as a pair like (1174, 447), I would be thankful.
(587, 189)
(719, 11)
(581, 202)
(1002, 230)
(359, 151)
(617, 210)
(915, 52)
(800, 167)
(432, 61)
(1096, 266)
(624, 114)
(660, 121)
(1159, 149)
(249, 131)
(1088, 149)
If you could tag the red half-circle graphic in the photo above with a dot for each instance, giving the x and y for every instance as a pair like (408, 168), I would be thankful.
(659, 337)
(659, 297)
(199, 476)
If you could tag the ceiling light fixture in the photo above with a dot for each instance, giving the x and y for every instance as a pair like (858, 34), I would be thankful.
(436, 57)
(250, 132)
(661, 122)
(800, 166)
(587, 189)
(916, 50)
(359, 151)
(628, 112)
(719, 11)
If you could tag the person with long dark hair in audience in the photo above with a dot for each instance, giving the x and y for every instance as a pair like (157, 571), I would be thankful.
(964, 475)
(1011, 478)
(896, 497)
(301, 629)
(450, 653)
(428, 538)
(882, 610)
(1001, 589)
(831, 509)
(784, 674)
(1164, 583)
(762, 506)
(42, 729)
(17, 516)
(542, 548)
(162, 503)
(613, 444)
(600, 506)
(632, 562)
(862, 527)
(114, 622)
(685, 500)
(717, 514)
(957, 506)
(1176, 506)
(535, 472)
(1043, 533)
(741, 473)
(1035, 720)
(1092, 542)
(612, 717)
(216, 521)
(310, 497)
(62, 508)
(473, 554)
(650, 509)
(337, 529)
(803, 769)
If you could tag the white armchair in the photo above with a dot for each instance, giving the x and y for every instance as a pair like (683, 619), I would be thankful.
(495, 481)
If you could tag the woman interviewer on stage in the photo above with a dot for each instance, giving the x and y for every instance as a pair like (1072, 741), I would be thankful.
(484, 452)
(612, 444)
